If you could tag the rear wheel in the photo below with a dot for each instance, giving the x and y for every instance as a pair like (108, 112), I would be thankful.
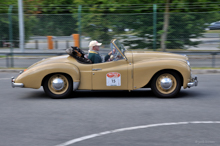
(58, 86)
(166, 84)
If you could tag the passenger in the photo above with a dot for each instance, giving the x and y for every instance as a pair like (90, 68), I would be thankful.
(94, 55)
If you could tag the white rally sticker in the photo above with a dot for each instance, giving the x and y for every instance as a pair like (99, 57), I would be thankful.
(113, 79)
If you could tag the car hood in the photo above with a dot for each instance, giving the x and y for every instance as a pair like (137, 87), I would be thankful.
(147, 55)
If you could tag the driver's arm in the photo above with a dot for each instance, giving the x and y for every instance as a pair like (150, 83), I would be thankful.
(108, 56)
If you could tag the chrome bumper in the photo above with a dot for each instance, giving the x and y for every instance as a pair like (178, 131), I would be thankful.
(194, 82)
(13, 84)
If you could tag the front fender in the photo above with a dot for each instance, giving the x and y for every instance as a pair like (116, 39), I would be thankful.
(144, 71)
(33, 77)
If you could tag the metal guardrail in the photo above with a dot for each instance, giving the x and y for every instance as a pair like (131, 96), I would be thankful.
(213, 54)
(10, 55)
(197, 52)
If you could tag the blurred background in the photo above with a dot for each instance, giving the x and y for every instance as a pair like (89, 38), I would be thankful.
(184, 27)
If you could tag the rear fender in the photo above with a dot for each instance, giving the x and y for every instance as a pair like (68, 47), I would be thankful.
(33, 77)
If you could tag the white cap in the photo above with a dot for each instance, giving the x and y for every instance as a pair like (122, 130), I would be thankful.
(94, 43)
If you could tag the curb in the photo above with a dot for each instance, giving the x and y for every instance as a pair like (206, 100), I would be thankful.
(205, 71)
(11, 70)
(194, 71)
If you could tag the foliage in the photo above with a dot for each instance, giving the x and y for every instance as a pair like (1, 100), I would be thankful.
(105, 19)
(53, 25)
(98, 28)
(185, 26)
(4, 23)
(4, 29)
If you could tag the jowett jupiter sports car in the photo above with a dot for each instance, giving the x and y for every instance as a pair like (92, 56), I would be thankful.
(164, 73)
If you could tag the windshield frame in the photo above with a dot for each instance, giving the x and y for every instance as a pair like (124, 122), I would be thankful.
(114, 41)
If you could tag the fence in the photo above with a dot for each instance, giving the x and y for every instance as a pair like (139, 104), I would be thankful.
(135, 30)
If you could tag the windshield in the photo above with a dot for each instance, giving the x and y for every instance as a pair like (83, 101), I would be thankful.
(117, 50)
(120, 46)
(115, 53)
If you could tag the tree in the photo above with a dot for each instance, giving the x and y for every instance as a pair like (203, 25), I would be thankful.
(175, 29)
(165, 26)
(4, 23)
(130, 20)
(98, 28)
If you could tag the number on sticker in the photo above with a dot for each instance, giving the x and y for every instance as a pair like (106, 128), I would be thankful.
(113, 79)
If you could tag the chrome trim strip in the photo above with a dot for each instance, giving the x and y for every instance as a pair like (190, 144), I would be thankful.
(193, 83)
(75, 86)
(95, 69)
(13, 84)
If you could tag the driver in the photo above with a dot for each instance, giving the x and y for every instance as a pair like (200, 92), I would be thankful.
(94, 55)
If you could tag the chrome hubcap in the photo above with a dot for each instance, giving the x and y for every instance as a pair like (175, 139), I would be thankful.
(166, 83)
(58, 84)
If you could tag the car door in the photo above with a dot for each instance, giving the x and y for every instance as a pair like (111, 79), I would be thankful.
(110, 75)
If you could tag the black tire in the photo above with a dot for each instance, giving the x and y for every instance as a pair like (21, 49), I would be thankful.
(65, 86)
(172, 88)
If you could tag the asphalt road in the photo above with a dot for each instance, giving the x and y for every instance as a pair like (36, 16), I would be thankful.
(29, 118)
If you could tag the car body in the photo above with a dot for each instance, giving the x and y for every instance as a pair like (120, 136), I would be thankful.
(214, 26)
(164, 73)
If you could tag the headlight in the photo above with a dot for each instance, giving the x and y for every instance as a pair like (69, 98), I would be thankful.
(186, 56)
(188, 62)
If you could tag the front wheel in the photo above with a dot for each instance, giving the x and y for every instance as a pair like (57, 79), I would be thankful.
(166, 84)
(58, 86)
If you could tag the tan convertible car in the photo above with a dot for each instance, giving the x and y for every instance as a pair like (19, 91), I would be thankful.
(164, 73)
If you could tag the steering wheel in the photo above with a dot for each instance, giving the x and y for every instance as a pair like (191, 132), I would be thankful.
(115, 56)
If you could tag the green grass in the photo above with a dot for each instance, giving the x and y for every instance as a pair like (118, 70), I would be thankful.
(212, 31)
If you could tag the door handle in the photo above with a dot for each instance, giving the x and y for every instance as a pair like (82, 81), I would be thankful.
(96, 69)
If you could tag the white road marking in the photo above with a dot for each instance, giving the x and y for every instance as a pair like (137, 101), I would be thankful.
(76, 140)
